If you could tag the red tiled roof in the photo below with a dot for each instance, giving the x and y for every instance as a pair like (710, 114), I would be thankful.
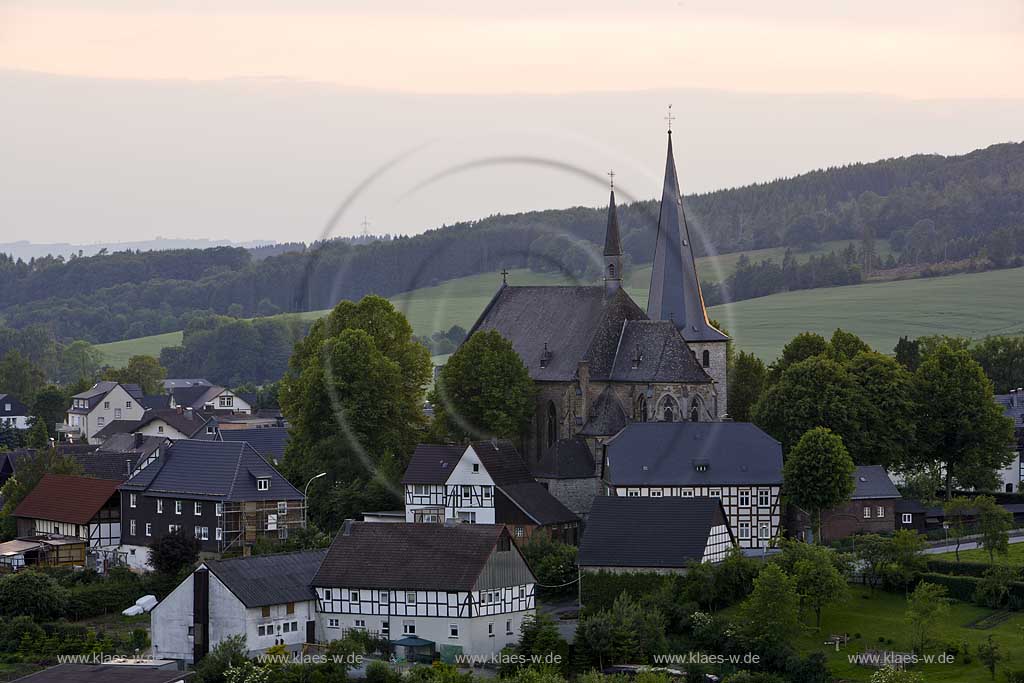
(62, 498)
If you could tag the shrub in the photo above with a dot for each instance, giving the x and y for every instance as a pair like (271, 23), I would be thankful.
(32, 594)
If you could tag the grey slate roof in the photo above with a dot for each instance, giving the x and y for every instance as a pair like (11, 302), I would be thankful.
(193, 396)
(1013, 406)
(269, 442)
(408, 556)
(871, 481)
(568, 459)
(161, 401)
(662, 353)
(607, 416)
(177, 382)
(432, 463)
(639, 532)
(263, 580)
(17, 408)
(503, 462)
(106, 673)
(212, 470)
(675, 288)
(537, 503)
(668, 453)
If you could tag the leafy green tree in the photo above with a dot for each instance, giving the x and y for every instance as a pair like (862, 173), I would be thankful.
(32, 594)
(20, 378)
(994, 589)
(79, 360)
(990, 655)
(907, 559)
(955, 510)
(885, 411)
(994, 524)
(354, 398)
(819, 583)
(770, 617)
(926, 607)
(893, 675)
(552, 562)
(539, 641)
(173, 552)
(818, 474)
(228, 653)
(747, 378)
(844, 346)
(37, 436)
(51, 405)
(595, 637)
(484, 390)
(801, 347)
(145, 371)
(960, 427)
(908, 353)
(1002, 359)
(874, 553)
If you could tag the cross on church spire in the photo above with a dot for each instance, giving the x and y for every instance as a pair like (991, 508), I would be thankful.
(670, 119)
(611, 174)
(504, 276)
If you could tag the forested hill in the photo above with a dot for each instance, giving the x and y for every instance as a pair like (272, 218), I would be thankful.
(928, 206)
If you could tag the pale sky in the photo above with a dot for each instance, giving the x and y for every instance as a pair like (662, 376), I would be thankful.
(911, 48)
(254, 119)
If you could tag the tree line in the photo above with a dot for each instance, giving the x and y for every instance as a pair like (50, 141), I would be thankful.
(927, 205)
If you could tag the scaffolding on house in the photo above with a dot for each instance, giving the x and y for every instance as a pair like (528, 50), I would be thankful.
(243, 523)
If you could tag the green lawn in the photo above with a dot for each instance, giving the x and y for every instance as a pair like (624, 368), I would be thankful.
(882, 615)
(1015, 556)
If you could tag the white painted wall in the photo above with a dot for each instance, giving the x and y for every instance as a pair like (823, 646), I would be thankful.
(473, 637)
(116, 405)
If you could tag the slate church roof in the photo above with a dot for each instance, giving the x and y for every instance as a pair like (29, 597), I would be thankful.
(668, 532)
(692, 454)
(675, 287)
(569, 459)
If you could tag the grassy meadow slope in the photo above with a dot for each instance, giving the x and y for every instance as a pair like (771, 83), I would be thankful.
(974, 304)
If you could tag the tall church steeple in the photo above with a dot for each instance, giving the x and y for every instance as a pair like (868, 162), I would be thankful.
(675, 288)
(612, 247)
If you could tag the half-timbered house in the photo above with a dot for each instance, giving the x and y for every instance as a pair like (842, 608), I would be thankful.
(77, 507)
(735, 462)
(453, 588)
(482, 483)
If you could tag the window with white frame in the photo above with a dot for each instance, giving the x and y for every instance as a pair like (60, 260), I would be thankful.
(382, 598)
(282, 507)
(353, 596)
(133, 500)
(908, 518)
(744, 529)
(410, 597)
(409, 627)
(385, 628)
(173, 528)
(485, 491)
(328, 594)
(744, 498)
(867, 512)
(715, 493)
(763, 498)
(333, 623)
(420, 489)
(100, 421)
(197, 508)
(686, 493)
(218, 509)
(467, 491)
(106, 405)
(880, 512)
(490, 629)
(632, 493)
(453, 630)
(159, 506)
(131, 527)
(263, 484)
(476, 467)
(520, 532)
(159, 429)
(359, 623)
(508, 627)
(177, 507)
(117, 413)
(226, 401)
(763, 530)
(522, 591)
(218, 534)
(149, 529)
(128, 404)
(655, 493)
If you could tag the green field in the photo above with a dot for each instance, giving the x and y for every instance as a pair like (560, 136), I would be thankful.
(1015, 556)
(882, 615)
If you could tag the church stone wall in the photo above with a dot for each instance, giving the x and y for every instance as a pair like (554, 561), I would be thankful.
(717, 369)
(576, 494)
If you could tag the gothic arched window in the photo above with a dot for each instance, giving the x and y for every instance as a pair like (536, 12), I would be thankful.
(695, 410)
(640, 414)
(611, 270)
(552, 424)
(668, 409)
(706, 358)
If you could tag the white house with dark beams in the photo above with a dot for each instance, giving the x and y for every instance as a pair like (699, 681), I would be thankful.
(654, 535)
(13, 413)
(267, 598)
(483, 483)
(735, 462)
(453, 588)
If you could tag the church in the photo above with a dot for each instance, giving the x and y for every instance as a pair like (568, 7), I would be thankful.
(601, 362)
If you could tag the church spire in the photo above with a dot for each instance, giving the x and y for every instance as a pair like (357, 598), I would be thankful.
(675, 288)
(612, 246)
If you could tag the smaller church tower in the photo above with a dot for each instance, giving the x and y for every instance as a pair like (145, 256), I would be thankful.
(612, 248)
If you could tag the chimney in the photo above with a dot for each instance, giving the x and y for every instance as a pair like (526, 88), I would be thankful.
(128, 468)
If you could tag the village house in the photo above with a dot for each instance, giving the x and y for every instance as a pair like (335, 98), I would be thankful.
(212, 399)
(79, 507)
(270, 442)
(430, 588)
(95, 408)
(172, 423)
(483, 483)
(1013, 407)
(13, 413)
(870, 510)
(267, 598)
(222, 493)
(657, 535)
(735, 462)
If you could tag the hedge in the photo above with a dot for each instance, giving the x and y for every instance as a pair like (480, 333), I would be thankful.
(601, 588)
(963, 587)
(977, 569)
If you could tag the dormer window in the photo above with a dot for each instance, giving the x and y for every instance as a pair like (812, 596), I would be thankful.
(700, 466)
(545, 356)
(263, 484)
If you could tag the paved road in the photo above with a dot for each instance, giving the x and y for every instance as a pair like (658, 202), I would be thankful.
(966, 545)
